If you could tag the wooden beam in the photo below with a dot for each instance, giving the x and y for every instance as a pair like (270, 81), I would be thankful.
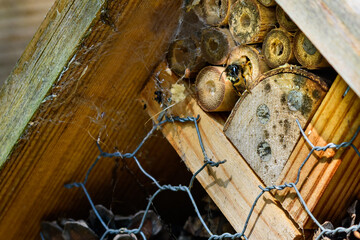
(42, 62)
(328, 178)
(333, 27)
(233, 186)
(94, 75)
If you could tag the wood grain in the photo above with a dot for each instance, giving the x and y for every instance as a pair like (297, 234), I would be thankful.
(332, 26)
(39, 67)
(102, 70)
(262, 125)
(233, 186)
(328, 178)
(19, 21)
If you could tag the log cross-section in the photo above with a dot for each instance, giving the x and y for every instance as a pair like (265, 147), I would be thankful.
(233, 186)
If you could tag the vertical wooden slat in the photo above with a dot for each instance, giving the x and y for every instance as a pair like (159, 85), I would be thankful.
(328, 178)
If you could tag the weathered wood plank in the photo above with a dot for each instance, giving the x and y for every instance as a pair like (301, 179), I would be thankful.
(233, 186)
(42, 62)
(333, 27)
(328, 178)
(95, 96)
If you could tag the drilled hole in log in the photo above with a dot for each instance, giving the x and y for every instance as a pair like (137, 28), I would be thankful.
(182, 54)
(245, 67)
(210, 87)
(277, 48)
(245, 20)
(213, 44)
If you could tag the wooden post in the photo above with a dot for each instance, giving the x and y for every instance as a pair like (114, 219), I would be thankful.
(214, 92)
(233, 185)
(250, 21)
(307, 54)
(216, 44)
(262, 125)
(251, 62)
(284, 20)
(278, 48)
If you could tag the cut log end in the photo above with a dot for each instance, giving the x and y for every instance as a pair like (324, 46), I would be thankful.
(278, 48)
(267, 3)
(251, 63)
(216, 12)
(184, 58)
(249, 21)
(262, 125)
(214, 92)
(307, 54)
(216, 44)
(284, 20)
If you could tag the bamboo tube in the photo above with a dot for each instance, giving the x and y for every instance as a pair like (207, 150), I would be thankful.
(216, 44)
(250, 61)
(184, 58)
(267, 3)
(213, 91)
(250, 21)
(284, 20)
(307, 54)
(216, 12)
(191, 26)
(278, 48)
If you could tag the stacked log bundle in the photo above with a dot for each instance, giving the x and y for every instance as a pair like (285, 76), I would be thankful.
(243, 36)
(249, 40)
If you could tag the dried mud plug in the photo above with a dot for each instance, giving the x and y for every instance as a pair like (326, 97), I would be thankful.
(262, 125)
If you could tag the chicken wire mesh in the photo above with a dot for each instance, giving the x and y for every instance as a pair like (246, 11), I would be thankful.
(164, 119)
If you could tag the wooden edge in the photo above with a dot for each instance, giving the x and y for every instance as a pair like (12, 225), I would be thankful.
(46, 56)
(291, 69)
(332, 26)
(233, 186)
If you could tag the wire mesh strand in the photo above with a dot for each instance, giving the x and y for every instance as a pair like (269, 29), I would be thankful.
(187, 189)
